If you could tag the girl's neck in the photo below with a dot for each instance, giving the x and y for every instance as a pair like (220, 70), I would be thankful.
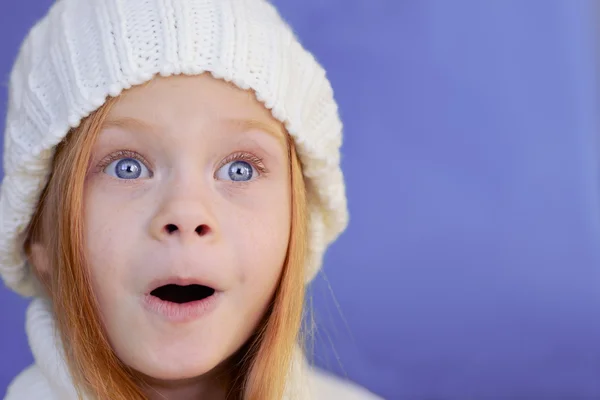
(202, 387)
(214, 385)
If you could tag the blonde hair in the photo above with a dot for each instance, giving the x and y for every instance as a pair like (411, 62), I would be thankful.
(260, 369)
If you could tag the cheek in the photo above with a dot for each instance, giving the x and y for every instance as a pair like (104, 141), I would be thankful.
(267, 246)
(107, 239)
(260, 239)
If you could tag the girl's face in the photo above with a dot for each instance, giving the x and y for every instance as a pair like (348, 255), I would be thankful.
(187, 196)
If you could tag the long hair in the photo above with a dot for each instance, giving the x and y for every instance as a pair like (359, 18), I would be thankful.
(263, 365)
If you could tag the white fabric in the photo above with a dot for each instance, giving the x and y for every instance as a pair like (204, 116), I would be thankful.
(49, 379)
(85, 50)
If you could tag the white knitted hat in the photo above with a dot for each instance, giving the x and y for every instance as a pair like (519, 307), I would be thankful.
(85, 50)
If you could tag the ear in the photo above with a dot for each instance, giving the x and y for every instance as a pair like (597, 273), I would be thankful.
(40, 260)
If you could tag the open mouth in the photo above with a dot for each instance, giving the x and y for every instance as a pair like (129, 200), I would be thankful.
(182, 294)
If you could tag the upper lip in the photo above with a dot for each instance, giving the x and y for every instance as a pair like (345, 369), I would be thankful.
(181, 281)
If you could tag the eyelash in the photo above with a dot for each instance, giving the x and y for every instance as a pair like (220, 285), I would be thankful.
(252, 159)
(117, 155)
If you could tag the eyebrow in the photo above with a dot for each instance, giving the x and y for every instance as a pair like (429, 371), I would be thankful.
(254, 124)
(128, 123)
(242, 125)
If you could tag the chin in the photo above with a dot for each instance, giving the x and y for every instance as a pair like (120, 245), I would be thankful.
(174, 370)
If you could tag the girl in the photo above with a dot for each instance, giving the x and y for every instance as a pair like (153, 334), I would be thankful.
(171, 182)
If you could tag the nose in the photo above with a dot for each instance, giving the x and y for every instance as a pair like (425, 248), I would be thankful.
(183, 221)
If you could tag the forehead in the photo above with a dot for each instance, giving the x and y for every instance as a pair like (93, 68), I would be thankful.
(200, 99)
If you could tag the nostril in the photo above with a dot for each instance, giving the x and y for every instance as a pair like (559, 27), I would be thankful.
(171, 228)
(201, 230)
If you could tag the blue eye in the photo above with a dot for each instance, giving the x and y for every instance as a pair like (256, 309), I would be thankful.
(237, 171)
(127, 168)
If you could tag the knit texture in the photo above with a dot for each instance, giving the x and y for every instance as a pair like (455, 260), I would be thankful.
(83, 51)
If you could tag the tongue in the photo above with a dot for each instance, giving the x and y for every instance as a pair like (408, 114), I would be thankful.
(182, 294)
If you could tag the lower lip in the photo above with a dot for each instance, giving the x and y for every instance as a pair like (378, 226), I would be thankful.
(180, 313)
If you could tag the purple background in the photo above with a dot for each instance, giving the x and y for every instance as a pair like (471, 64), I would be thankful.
(471, 268)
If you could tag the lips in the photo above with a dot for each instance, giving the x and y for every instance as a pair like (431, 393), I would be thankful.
(174, 284)
(180, 300)
(182, 294)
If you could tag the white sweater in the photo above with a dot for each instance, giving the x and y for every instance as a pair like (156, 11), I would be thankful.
(49, 379)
